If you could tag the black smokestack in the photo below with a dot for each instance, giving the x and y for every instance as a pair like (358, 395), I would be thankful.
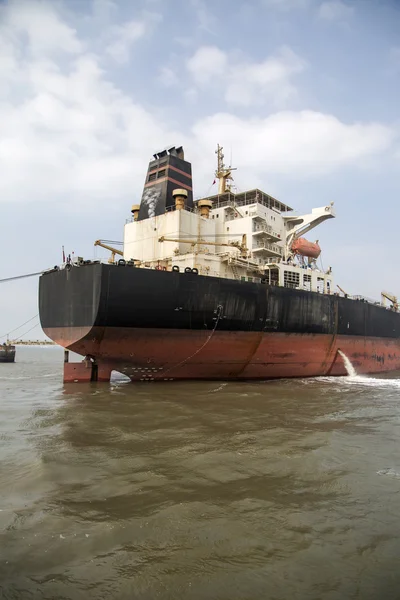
(167, 171)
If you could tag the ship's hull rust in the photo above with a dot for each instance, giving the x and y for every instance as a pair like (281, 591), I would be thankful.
(154, 325)
(161, 354)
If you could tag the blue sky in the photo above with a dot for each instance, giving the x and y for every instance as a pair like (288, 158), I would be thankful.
(304, 95)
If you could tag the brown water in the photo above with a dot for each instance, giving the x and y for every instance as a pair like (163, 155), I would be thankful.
(275, 490)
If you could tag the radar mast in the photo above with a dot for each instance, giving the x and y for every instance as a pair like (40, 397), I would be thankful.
(224, 174)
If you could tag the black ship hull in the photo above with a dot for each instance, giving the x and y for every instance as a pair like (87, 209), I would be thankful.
(158, 325)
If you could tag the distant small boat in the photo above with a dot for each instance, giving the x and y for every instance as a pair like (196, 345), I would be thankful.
(7, 353)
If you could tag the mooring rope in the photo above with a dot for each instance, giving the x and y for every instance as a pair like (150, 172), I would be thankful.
(34, 327)
(16, 329)
(21, 276)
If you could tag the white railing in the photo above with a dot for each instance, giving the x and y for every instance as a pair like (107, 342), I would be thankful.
(266, 246)
(249, 264)
(265, 229)
(270, 261)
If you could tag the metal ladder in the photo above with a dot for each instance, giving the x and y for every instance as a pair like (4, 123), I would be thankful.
(235, 271)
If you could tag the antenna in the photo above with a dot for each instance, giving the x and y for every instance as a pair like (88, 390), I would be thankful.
(224, 174)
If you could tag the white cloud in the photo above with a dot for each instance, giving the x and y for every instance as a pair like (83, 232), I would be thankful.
(205, 18)
(191, 94)
(207, 63)
(168, 77)
(124, 36)
(297, 141)
(245, 83)
(335, 10)
(252, 83)
(68, 133)
(299, 144)
(103, 9)
(39, 22)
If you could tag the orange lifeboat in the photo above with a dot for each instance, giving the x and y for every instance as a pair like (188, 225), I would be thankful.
(305, 248)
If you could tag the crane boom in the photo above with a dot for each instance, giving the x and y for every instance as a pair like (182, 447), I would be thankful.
(391, 298)
(113, 251)
(241, 247)
(342, 290)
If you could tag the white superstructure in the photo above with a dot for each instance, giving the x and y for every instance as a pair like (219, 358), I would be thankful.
(248, 236)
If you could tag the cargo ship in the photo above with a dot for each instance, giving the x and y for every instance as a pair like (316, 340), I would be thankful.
(222, 288)
(7, 353)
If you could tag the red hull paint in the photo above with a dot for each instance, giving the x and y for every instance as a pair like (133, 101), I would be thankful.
(156, 354)
(86, 372)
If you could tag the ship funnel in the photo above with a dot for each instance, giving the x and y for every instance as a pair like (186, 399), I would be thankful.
(167, 171)
(204, 206)
(180, 196)
(135, 211)
(178, 152)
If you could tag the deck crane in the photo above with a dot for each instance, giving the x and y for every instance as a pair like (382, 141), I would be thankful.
(113, 251)
(345, 294)
(240, 246)
(393, 299)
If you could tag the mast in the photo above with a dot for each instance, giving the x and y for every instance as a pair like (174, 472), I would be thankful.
(224, 174)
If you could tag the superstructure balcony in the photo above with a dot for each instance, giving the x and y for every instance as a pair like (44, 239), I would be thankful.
(262, 230)
(266, 249)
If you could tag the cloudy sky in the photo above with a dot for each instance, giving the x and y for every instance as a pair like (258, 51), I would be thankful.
(302, 94)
